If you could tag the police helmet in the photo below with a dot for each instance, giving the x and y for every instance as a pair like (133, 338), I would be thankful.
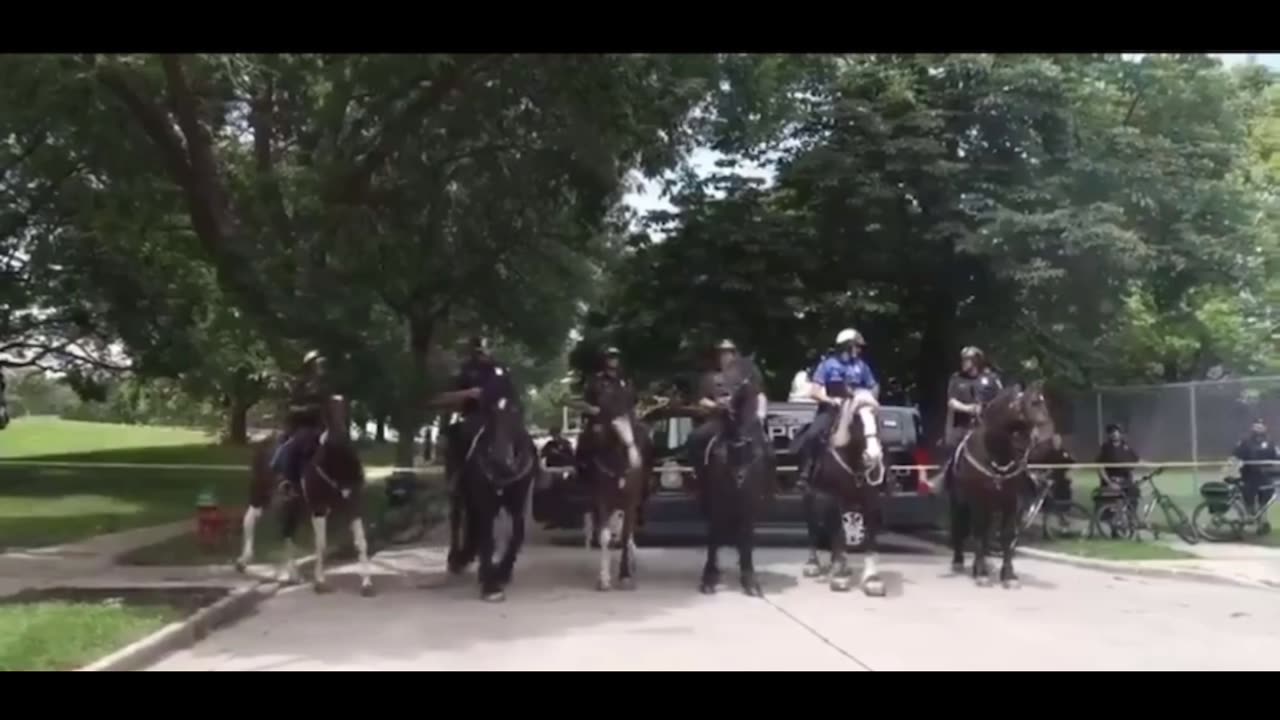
(973, 351)
(849, 335)
(726, 344)
(612, 351)
(311, 357)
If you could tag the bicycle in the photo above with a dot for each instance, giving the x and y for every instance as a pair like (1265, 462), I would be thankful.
(413, 506)
(1060, 519)
(1223, 517)
(1127, 517)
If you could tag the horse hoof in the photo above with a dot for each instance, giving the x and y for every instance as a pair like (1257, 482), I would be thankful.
(752, 589)
(1011, 583)
(603, 585)
(321, 588)
(957, 567)
(873, 588)
(708, 588)
(496, 596)
(841, 584)
(240, 565)
(367, 590)
(812, 569)
(626, 584)
(982, 581)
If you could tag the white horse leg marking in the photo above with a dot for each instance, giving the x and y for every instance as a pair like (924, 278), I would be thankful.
(249, 525)
(872, 583)
(622, 425)
(503, 529)
(362, 552)
(608, 529)
(588, 527)
(318, 528)
(631, 545)
(289, 568)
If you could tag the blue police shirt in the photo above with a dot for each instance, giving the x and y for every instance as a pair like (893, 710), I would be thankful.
(839, 376)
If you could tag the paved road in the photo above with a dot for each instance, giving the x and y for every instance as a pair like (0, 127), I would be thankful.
(1062, 618)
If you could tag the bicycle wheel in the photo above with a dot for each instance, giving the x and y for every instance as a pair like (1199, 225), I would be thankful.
(1112, 520)
(1225, 526)
(1068, 522)
(1178, 522)
(1031, 513)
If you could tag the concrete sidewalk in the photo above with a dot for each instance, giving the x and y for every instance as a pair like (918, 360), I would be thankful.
(1063, 618)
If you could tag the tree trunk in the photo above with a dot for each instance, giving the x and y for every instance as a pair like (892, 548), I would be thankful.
(413, 407)
(238, 422)
(381, 434)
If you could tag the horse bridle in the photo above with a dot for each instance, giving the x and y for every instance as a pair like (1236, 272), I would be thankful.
(996, 471)
(874, 475)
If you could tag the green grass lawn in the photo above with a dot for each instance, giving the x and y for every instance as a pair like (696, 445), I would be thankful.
(64, 636)
(52, 505)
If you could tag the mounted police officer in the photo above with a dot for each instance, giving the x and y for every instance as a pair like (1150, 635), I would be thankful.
(610, 378)
(1256, 480)
(974, 385)
(836, 378)
(480, 376)
(712, 392)
(306, 418)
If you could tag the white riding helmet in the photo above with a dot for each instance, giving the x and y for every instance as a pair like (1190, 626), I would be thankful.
(311, 356)
(849, 335)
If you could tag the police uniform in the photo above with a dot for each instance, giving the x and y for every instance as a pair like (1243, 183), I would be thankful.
(840, 377)
(596, 387)
(304, 422)
(494, 382)
(1253, 478)
(969, 389)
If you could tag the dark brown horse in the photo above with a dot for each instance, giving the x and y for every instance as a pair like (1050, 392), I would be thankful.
(617, 473)
(332, 483)
(735, 477)
(988, 471)
(850, 471)
(497, 472)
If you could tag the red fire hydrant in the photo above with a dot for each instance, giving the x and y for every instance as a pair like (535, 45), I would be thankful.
(211, 523)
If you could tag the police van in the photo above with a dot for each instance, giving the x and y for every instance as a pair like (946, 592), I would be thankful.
(909, 503)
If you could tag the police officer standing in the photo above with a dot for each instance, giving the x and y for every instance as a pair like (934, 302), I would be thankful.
(836, 377)
(1255, 480)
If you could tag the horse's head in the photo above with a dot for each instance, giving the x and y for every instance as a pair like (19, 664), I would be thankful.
(1021, 413)
(504, 451)
(615, 413)
(743, 381)
(856, 433)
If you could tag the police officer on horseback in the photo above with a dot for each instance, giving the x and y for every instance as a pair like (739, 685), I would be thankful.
(306, 419)
(969, 389)
(611, 378)
(480, 377)
(838, 375)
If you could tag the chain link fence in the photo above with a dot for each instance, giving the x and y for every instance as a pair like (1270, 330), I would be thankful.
(1195, 422)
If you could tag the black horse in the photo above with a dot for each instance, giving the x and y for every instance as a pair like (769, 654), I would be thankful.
(987, 473)
(617, 474)
(734, 476)
(844, 505)
(497, 471)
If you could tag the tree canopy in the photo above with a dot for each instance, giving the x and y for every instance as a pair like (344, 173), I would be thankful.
(203, 220)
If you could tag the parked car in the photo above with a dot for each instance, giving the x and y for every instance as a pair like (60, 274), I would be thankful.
(560, 502)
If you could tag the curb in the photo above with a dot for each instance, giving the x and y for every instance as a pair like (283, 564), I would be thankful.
(1123, 568)
(187, 632)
